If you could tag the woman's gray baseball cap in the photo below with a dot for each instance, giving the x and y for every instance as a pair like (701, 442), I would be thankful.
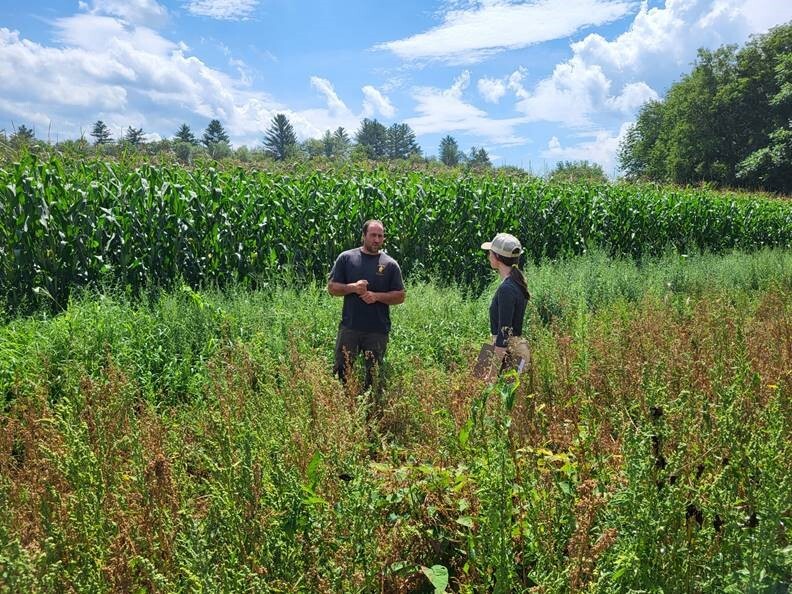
(505, 245)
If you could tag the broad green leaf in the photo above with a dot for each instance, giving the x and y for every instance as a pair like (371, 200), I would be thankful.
(438, 577)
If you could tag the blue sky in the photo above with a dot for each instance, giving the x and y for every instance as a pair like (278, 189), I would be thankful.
(533, 81)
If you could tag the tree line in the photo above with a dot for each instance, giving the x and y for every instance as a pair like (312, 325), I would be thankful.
(728, 122)
(372, 141)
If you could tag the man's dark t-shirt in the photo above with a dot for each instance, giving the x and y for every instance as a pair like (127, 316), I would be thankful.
(382, 273)
(506, 312)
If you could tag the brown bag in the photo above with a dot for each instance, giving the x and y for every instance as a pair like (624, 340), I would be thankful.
(518, 354)
(488, 362)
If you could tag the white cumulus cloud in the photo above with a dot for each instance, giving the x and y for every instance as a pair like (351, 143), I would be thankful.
(599, 146)
(445, 111)
(222, 10)
(376, 103)
(325, 87)
(608, 77)
(315, 122)
(140, 12)
(471, 34)
(632, 97)
(129, 75)
(491, 89)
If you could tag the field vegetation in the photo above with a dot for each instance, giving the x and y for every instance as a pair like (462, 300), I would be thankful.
(67, 224)
(170, 423)
(197, 441)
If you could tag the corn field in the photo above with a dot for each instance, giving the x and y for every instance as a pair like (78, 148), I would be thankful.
(72, 224)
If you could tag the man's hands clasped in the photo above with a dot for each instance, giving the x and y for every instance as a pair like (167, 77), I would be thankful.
(360, 288)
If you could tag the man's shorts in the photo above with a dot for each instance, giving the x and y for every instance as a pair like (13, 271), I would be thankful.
(350, 343)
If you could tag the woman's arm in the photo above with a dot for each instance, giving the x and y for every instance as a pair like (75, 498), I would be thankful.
(507, 303)
(499, 350)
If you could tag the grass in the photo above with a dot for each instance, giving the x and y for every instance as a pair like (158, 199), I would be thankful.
(199, 442)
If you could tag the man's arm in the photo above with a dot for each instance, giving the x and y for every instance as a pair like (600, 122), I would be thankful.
(388, 297)
(337, 289)
(337, 284)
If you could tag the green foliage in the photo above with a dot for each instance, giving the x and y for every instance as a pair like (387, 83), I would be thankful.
(577, 172)
(437, 576)
(478, 158)
(198, 442)
(219, 150)
(313, 148)
(66, 225)
(214, 134)
(724, 122)
(134, 136)
(23, 136)
(771, 166)
(280, 141)
(401, 142)
(332, 145)
(340, 144)
(101, 133)
(372, 139)
(184, 134)
(450, 154)
(184, 151)
(328, 144)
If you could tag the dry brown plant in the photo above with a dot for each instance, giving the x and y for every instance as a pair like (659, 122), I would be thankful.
(29, 443)
(769, 342)
(583, 554)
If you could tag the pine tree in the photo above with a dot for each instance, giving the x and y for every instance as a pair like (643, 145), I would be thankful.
(372, 137)
(342, 143)
(101, 133)
(23, 135)
(328, 146)
(134, 136)
(449, 152)
(401, 142)
(479, 158)
(214, 134)
(184, 134)
(280, 140)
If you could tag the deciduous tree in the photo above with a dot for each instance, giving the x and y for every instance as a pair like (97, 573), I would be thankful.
(578, 171)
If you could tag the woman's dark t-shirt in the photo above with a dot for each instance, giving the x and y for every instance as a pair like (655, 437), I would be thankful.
(507, 311)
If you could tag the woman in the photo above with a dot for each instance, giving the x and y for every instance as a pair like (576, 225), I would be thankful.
(507, 309)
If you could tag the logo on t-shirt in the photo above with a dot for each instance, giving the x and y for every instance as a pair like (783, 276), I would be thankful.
(381, 269)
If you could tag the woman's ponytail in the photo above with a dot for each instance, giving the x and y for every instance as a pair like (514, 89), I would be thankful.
(515, 273)
(517, 276)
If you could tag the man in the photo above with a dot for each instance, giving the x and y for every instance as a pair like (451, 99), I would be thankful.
(370, 282)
